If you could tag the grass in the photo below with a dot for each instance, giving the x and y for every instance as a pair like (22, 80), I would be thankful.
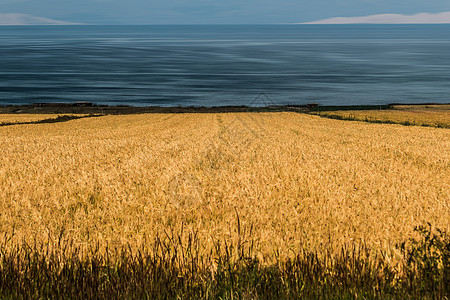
(169, 269)
(421, 115)
(249, 205)
(23, 119)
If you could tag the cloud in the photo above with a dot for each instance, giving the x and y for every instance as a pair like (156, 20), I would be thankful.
(421, 18)
(22, 19)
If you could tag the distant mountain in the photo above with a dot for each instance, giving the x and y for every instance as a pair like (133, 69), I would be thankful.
(22, 19)
(421, 18)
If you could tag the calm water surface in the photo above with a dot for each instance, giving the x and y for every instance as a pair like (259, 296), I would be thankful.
(225, 65)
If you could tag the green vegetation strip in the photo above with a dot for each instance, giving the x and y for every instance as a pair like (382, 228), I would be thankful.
(58, 119)
(171, 269)
(352, 107)
(373, 120)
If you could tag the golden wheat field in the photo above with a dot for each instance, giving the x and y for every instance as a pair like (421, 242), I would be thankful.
(295, 181)
(425, 115)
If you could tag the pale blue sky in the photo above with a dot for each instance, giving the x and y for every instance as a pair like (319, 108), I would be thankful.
(213, 11)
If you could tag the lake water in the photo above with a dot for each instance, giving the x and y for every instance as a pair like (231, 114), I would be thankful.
(225, 64)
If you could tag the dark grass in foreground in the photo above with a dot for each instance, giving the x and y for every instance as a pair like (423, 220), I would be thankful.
(169, 269)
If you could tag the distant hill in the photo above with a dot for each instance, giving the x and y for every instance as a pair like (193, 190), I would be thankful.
(421, 18)
(22, 19)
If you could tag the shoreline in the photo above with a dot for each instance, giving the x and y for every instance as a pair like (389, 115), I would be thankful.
(90, 108)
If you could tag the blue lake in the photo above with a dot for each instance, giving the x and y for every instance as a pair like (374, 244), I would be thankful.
(225, 64)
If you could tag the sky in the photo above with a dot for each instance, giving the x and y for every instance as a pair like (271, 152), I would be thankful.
(212, 11)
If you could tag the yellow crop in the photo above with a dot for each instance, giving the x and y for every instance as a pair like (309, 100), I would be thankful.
(295, 181)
